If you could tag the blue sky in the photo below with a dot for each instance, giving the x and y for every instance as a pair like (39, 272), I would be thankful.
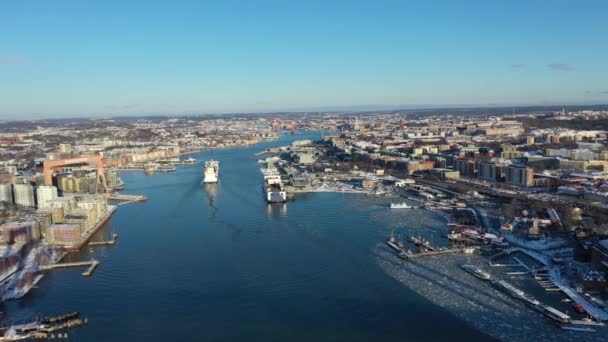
(97, 58)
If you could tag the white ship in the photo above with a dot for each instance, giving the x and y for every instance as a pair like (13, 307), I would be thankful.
(400, 206)
(273, 185)
(211, 171)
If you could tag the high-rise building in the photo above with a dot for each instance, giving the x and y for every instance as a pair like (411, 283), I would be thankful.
(45, 194)
(24, 195)
(486, 171)
(6, 192)
(519, 175)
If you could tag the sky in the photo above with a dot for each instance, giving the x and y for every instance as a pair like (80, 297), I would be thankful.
(105, 58)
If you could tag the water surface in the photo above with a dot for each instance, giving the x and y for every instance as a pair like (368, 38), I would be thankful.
(216, 262)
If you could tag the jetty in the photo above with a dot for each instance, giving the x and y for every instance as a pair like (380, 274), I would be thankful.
(408, 256)
(109, 242)
(420, 242)
(92, 264)
(127, 198)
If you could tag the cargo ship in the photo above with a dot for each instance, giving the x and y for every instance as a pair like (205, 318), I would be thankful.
(273, 186)
(211, 171)
(476, 271)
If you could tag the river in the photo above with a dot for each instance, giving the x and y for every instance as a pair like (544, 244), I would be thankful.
(216, 262)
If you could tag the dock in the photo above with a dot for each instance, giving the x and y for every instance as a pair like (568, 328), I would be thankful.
(408, 256)
(127, 198)
(92, 265)
(109, 242)
(420, 242)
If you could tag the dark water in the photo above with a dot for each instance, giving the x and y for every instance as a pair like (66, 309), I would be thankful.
(216, 262)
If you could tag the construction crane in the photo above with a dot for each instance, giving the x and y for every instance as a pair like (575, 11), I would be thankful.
(97, 160)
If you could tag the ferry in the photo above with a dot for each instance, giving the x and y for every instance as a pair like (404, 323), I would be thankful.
(273, 186)
(211, 171)
(400, 206)
(477, 272)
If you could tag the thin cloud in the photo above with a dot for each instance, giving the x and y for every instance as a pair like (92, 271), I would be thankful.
(518, 66)
(587, 91)
(560, 66)
(605, 92)
(9, 59)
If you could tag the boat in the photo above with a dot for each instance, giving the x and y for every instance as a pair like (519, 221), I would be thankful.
(211, 171)
(166, 168)
(190, 160)
(150, 168)
(273, 185)
(275, 193)
(400, 206)
(477, 272)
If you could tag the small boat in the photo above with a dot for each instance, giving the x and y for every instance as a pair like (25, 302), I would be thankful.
(400, 206)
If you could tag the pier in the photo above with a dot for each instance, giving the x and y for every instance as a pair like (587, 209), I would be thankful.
(127, 198)
(92, 265)
(420, 242)
(101, 243)
(436, 252)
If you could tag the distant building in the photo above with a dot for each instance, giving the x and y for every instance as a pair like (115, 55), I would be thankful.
(24, 195)
(445, 173)
(6, 192)
(370, 182)
(65, 148)
(486, 171)
(530, 140)
(45, 194)
(519, 175)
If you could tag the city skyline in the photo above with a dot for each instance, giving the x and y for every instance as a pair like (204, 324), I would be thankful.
(69, 59)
